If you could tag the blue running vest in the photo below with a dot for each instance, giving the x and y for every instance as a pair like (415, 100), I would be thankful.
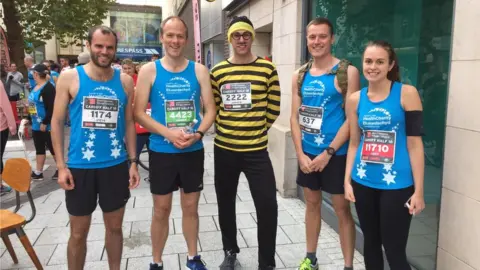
(382, 159)
(175, 100)
(53, 74)
(321, 114)
(97, 116)
(36, 108)
(31, 80)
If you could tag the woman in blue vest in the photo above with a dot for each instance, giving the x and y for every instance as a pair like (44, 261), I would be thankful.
(385, 164)
(40, 108)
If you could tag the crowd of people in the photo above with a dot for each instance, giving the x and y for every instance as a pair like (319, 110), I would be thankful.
(359, 145)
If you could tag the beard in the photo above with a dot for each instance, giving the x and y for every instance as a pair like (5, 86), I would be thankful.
(95, 61)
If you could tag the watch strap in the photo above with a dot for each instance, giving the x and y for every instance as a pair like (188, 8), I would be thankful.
(331, 151)
(201, 133)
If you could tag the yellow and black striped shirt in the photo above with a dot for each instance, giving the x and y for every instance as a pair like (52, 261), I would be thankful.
(240, 126)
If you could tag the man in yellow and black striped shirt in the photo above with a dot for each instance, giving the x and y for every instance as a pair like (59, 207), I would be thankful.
(247, 96)
(248, 102)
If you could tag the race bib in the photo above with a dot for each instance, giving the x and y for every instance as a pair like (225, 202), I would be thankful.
(32, 109)
(237, 96)
(379, 146)
(310, 119)
(179, 113)
(100, 113)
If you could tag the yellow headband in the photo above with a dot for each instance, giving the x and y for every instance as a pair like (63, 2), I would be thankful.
(240, 26)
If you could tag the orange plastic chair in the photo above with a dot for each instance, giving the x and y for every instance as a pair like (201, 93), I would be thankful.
(16, 174)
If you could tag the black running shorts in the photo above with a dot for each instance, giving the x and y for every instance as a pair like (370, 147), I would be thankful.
(330, 180)
(171, 171)
(109, 185)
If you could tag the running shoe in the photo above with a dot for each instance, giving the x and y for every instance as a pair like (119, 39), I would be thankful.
(196, 263)
(37, 177)
(154, 266)
(5, 190)
(307, 265)
(229, 261)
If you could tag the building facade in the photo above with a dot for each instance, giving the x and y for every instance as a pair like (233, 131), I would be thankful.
(437, 54)
(137, 27)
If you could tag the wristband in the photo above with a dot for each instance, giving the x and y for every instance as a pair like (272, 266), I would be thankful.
(133, 160)
(201, 134)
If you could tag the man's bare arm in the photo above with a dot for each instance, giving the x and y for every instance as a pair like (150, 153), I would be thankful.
(203, 76)
(62, 99)
(145, 81)
(294, 124)
(353, 85)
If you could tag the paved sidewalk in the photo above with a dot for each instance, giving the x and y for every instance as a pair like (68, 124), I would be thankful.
(49, 231)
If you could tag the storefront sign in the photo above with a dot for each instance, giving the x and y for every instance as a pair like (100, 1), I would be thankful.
(138, 52)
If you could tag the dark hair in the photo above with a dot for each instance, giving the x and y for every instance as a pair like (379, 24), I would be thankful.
(394, 73)
(174, 18)
(236, 19)
(105, 30)
(55, 67)
(320, 21)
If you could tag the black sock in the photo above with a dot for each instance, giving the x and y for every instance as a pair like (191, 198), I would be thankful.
(312, 256)
(348, 268)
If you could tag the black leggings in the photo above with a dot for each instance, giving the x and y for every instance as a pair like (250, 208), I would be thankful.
(261, 179)
(384, 220)
(41, 140)
(3, 142)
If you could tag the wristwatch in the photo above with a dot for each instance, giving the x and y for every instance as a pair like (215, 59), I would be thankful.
(331, 151)
(133, 160)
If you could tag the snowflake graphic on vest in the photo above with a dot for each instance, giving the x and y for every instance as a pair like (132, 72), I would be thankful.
(319, 139)
(116, 148)
(361, 171)
(88, 151)
(389, 176)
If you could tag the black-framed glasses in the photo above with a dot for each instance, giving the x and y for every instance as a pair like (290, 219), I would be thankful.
(245, 35)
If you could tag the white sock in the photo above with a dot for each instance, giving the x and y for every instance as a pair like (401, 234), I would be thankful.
(159, 264)
(191, 257)
(38, 172)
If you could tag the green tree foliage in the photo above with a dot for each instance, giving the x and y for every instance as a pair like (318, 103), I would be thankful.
(68, 20)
